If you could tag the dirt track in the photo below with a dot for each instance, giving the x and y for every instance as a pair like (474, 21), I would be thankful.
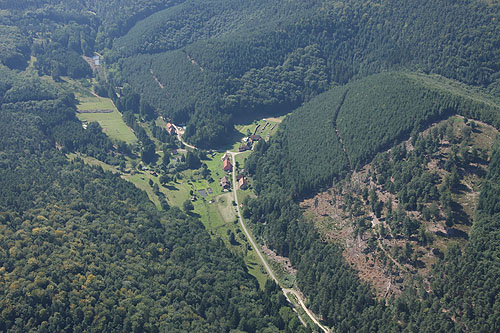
(261, 257)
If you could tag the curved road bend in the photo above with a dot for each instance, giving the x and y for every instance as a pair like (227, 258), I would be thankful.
(261, 257)
(179, 136)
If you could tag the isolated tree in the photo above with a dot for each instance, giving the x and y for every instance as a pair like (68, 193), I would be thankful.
(187, 205)
(166, 159)
(148, 153)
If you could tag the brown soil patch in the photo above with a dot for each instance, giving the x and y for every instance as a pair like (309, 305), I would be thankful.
(283, 261)
(377, 258)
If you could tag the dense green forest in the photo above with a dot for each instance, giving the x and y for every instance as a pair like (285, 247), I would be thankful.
(84, 249)
(244, 64)
(345, 127)
(316, 147)
(218, 60)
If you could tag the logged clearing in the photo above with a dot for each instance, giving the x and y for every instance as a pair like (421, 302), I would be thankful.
(395, 224)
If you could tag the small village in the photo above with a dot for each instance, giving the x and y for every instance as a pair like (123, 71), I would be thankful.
(247, 143)
(213, 190)
(228, 168)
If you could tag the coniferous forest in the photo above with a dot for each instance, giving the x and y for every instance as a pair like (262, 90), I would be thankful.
(392, 123)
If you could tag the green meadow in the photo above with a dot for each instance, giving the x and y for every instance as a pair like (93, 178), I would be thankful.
(111, 123)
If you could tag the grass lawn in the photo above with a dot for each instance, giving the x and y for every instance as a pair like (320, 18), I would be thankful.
(255, 268)
(264, 127)
(176, 193)
(243, 194)
(212, 219)
(111, 123)
(240, 159)
(225, 207)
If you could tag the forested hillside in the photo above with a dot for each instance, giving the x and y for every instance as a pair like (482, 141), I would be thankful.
(345, 127)
(394, 107)
(338, 132)
(248, 64)
(83, 249)
(396, 216)
(226, 58)
(468, 283)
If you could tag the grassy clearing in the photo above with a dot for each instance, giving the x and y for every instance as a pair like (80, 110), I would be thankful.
(92, 161)
(176, 193)
(225, 207)
(254, 266)
(141, 180)
(111, 123)
(211, 219)
(264, 127)
(243, 194)
(192, 181)
(240, 159)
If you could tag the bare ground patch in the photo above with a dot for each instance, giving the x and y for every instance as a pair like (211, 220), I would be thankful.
(343, 214)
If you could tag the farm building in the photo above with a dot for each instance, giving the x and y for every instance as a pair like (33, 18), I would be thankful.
(170, 128)
(244, 147)
(227, 165)
(254, 138)
(224, 182)
(243, 183)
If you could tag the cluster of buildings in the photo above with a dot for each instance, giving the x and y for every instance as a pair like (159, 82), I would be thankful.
(226, 184)
(171, 129)
(228, 167)
(248, 142)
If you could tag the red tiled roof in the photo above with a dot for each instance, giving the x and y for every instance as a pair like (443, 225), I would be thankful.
(227, 165)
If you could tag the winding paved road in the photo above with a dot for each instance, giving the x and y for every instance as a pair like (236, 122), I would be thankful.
(261, 257)
(178, 130)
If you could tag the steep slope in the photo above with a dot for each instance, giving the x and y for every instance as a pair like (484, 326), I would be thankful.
(353, 39)
(398, 215)
(83, 249)
(382, 110)
(352, 123)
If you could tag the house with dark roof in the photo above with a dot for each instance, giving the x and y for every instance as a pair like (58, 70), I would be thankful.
(224, 182)
(255, 137)
(244, 147)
